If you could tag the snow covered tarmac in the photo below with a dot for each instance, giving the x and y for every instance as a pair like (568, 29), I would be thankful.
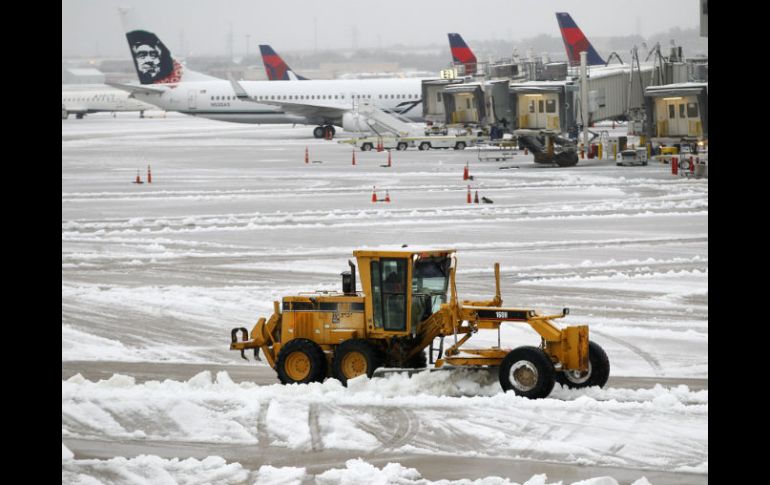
(234, 219)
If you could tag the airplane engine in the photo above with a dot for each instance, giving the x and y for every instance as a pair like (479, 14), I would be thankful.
(355, 122)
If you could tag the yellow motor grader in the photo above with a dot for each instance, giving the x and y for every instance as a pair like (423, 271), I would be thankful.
(408, 300)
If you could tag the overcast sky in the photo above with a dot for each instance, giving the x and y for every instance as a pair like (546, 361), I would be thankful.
(93, 28)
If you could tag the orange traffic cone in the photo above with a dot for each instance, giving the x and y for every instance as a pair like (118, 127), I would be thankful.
(468, 198)
(307, 156)
(465, 172)
(138, 178)
(374, 194)
(149, 175)
(387, 197)
(354, 156)
(476, 198)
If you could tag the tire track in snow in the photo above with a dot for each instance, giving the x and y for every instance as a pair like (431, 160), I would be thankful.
(263, 435)
(395, 426)
(654, 363)
(316, 439)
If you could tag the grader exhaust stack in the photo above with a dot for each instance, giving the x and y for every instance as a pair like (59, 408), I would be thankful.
(408, 299)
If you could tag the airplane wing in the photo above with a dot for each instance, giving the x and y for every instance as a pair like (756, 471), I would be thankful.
(138, 88)
(307, 108)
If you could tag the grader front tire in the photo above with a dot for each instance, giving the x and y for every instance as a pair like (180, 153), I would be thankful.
(301, 361)
(528, 372)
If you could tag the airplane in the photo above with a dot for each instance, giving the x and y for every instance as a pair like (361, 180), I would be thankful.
(275, 67)
(170, 85)
(576, 42)
(461, 53)
(81, 99)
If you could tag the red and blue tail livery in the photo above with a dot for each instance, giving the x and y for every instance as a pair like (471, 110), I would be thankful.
(462, 54)
(576, 42)
(276, 68)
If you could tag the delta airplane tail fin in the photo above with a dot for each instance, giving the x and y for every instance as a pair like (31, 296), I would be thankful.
(276, 68)
(461, 53)
(576, 42)
(152, 59)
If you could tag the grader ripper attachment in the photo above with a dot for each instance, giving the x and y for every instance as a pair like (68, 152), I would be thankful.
(409, 299)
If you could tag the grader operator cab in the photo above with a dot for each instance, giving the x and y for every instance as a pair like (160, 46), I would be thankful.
(408, 300)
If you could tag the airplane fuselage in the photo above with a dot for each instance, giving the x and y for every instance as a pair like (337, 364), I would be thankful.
(82, 99)
(217, 99)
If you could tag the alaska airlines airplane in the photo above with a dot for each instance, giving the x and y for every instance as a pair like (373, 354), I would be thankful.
(168, 84)
(576, 42)
(275, 67)
(81, 99)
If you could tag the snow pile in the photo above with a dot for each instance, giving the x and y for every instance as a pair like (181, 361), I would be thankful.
(214, 470)
(155, 470)
(66, 454)
(427, 413)
(659, 395)
(287, 475)
(454, 382)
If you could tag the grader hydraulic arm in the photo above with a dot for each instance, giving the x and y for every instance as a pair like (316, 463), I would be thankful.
(567, 347)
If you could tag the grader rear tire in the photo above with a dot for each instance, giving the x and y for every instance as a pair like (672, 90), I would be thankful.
(528, 372)
(597, 374)
(353, 358)
(301, 361)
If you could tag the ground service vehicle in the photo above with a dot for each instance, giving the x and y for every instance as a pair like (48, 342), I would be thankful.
(457, 142)
(548, 146)
(409, 299)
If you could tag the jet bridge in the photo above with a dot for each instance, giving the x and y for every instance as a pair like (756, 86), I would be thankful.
(464, 103)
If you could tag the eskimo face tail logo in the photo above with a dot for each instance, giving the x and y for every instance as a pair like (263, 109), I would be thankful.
(152, 59)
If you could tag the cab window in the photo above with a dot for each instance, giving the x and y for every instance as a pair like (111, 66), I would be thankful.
(430, 280)
(389, 293)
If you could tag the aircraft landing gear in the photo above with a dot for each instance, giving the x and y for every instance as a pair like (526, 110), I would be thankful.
(327, 131)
